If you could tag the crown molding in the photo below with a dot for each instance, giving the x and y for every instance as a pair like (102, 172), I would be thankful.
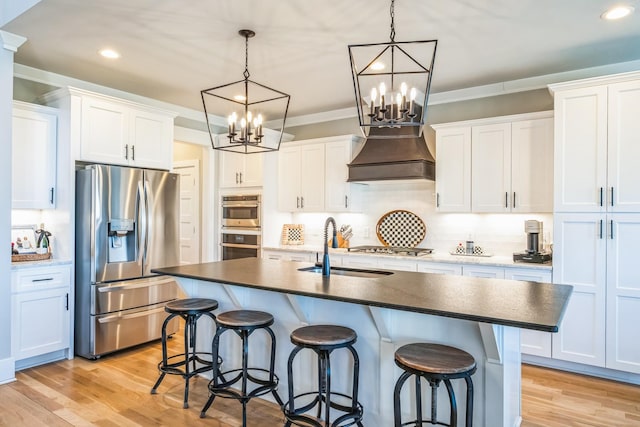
(11, 41)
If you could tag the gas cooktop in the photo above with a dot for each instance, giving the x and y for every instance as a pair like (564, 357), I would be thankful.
(391, 250)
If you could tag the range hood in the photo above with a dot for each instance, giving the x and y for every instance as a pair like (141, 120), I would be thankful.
(393, 154)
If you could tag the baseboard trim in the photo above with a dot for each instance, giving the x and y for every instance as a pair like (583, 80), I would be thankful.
(7, 370)
(578, 368)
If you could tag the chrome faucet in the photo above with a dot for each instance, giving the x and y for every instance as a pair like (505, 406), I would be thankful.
(326, 267)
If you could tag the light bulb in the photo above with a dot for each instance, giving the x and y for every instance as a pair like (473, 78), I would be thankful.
(399, 100)
(412, 94)
(374, 94)
(383, 89)
(259, 119)
(243, 123)
(230, 119)
(249, 116)
(403, 89)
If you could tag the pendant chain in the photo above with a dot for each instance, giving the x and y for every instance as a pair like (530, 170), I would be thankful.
(246, 58)
(393, 27)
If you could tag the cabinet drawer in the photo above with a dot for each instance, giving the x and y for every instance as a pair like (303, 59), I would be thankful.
(38, 278)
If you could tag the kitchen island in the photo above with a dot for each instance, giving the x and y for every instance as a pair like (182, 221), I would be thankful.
(480, 316)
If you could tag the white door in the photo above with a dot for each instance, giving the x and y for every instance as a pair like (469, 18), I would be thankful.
(579, 259)
(580, 153)
(491, 168)
(532, 166)
(189, 210)
(453, 170)
(623, 292)
(623, 174)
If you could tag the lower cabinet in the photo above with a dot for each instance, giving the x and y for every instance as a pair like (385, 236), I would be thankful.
(40, 321)
(297, 256)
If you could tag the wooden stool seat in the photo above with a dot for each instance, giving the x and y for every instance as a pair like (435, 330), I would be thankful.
(245, 319)
(435, 359)
(190, 306)
(323, 335)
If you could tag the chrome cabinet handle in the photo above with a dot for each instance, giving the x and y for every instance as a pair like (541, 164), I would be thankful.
(51, 198)
(611, 229)
(601, 229)
(611, 196)
(240, 177)
(126, 152)
(66, 304)
(514, 199)
(237, 178)
(133, 152)
(601, 196)
(346, 201)
(302, 202)
(298, 202)
(506, 199)
(437, 200)
(48, 279)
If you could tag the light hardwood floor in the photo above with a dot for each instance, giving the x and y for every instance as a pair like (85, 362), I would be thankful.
(114, 391)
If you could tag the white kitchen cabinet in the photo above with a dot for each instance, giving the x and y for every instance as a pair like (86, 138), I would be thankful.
(33, 150)
(312, 175)
(440, 268)
(500, 164)
(340, 195)
(453, 169)
(596, 133)
(240, 170)
(486, 271)
(579, 258)
(397, 264)
(104, 129)
(536, 343)
(40, 322)
(297, 256)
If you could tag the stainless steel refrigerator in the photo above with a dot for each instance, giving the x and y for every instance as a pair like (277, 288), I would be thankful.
(127, 222)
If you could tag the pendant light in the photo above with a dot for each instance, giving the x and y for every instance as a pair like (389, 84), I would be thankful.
(391, 83)
(255, 113)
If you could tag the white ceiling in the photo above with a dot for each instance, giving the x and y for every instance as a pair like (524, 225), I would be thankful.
(172, 49)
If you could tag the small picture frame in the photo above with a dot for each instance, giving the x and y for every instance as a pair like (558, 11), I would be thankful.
(24, 238)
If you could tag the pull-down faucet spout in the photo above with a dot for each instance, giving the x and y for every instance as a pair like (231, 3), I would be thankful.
(326, 267)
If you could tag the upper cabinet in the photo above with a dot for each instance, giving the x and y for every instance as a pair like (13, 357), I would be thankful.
(240, 170)
(114, 131)
(312, 175)
(33, 156)
(597, 146)
(501, 164)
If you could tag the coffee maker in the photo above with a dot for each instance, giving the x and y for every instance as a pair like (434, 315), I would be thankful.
(533, 253)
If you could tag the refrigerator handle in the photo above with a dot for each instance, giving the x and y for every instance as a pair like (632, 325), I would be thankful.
(143, 223)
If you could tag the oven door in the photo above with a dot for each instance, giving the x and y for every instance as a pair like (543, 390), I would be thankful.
(241, 215)
(236, 246)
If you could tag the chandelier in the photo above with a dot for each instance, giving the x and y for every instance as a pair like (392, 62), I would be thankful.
(256, 113)
(392, 82)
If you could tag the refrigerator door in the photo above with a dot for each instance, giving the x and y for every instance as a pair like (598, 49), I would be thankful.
(118, 232)
(161, 246)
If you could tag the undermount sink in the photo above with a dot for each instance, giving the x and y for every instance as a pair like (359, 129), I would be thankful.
(354, 272)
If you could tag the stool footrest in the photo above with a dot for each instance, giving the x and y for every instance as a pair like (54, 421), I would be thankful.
(298, 415)
(224, 389)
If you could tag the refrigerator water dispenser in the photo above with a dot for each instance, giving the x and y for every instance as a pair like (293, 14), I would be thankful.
(122, 247)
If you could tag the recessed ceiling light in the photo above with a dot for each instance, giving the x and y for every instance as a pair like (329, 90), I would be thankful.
(377, 66)
(109, 53)
(617, 12)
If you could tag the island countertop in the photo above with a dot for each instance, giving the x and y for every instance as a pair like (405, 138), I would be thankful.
(528, 305)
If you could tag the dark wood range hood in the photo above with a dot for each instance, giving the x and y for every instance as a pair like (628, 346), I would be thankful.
(393, 154)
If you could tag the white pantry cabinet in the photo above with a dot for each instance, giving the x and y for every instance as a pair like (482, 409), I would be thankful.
(110, 130)
(597, 150)
(500, 164)
(33, 152)
(312, 175)
(240, 170)
(40, 318)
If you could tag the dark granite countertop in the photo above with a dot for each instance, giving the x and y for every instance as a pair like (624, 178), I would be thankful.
(528, 305)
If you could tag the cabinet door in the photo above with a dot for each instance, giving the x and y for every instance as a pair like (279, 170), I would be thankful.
(231, 164)
(40, 322)
(623, 293)
(483, 271)
(289, 179)
(579, 252)
(440, 268)
(580, 153)
(536, 343)
(104, 134)
(33, 159)
(453, 170)
(623, 173)
(532, 166)
(491, 168)
(312, 166)
(340, 195)
(397, 264)
(151, 140)
(251, 171)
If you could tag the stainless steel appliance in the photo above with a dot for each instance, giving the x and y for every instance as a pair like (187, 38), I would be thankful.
(236, 245)
(241, 211)
(127, 222)
(391, 250)
(534, 252)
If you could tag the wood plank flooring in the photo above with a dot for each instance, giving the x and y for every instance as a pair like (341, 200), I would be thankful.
(114, 391)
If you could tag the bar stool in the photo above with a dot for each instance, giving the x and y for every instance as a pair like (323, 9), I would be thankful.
(323, 339)
(185, 364)
(435, 363)
(243, 323)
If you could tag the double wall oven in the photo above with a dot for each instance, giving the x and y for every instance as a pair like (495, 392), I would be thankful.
(241, 231)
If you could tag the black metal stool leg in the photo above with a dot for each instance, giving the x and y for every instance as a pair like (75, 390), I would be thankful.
(327, 391)
(469, 414)
(434, 400)
(453, 420)
(418, 399)
(164, 352)
(215, 343)
(397, 415)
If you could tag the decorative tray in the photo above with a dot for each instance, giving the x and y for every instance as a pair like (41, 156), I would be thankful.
(292, 234)
(400, 228)
(30, 257)
(477, 251)
(474, 254)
